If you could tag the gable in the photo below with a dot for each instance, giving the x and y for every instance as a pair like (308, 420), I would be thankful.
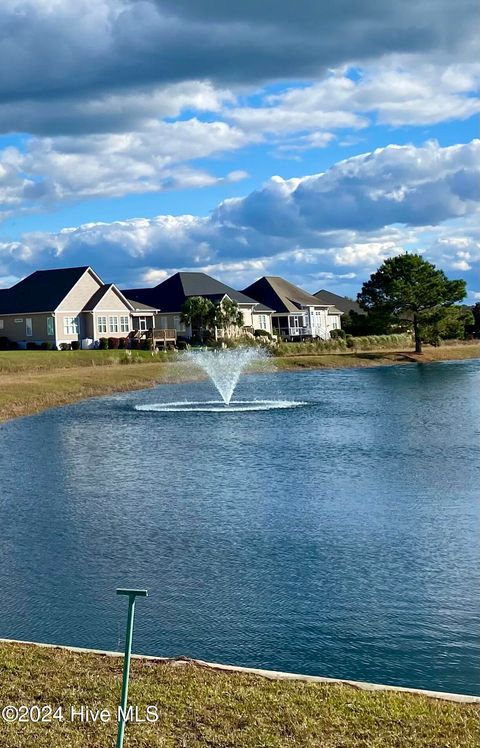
(81, 293)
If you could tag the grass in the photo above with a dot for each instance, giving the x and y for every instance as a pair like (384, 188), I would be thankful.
(32, 381)
(200, 707)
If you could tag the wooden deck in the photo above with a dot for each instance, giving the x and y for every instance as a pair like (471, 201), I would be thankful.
(157, 337)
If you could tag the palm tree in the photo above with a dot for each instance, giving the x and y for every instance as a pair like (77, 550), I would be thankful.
(228, 315)
(198, 311)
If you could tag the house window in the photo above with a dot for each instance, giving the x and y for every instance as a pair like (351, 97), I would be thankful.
(50, 326)
(1, 324)
(28, 327)
(178, 324)
(262, 322)
(102, 324)
(142, 323)
(70, 325)
(113, 324)
(124, 324)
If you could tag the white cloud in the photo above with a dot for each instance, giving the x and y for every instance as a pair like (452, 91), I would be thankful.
(109, 165)
(290, 227)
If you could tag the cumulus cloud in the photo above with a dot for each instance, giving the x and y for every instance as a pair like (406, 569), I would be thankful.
(396, 184)
(391, 200)
(52, 170)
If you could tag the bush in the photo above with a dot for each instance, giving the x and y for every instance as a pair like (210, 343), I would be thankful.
(338, 333)
(65, 347)
(122, 343)
(112, 344)
(182, 345)
(46, 345)
(262, 334)
(4, 343)
(31, 346)
(75, 345)
(103, 344)
(144, 344)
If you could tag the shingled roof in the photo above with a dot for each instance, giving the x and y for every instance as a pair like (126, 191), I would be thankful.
(342, 303)
(42, 291)
(280, 295)
(170, 295)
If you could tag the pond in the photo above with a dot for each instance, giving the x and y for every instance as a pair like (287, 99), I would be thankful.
(338, 538)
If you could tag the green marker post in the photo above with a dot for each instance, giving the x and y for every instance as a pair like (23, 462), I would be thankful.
(132, 594)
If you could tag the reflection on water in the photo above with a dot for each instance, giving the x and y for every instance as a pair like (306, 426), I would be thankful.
(339, 538)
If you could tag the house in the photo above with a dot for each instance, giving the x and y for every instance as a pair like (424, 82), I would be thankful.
(170, 296)
(68, 305)
(297, 315)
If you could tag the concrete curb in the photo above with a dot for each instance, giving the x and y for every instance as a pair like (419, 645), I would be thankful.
(271, 674)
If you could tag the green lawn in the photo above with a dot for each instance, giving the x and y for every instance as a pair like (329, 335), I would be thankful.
(200, 707)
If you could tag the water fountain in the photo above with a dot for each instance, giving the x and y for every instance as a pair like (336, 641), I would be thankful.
(224, 367)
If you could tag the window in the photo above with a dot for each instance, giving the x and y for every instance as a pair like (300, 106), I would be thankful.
(142, 323)
(28, 327)
(102, 324)
(1, 324)
(124, 324)
(113, 324)
(178, 324)
(262, 321)
(50, 326)
(70, 325)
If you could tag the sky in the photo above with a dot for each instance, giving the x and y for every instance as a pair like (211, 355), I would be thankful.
(305, 139)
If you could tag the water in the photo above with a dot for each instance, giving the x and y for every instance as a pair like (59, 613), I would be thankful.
(337, 538)
(224, 367)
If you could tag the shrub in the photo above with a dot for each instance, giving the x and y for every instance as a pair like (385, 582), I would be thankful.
(262, 334)
(31, 346)
(122, 343)
(46, 345)
(182, 345)
(112, 344)
(144, 344)
(75, 345)
(103, 344)
(338, 333)
(65, 347)
(4, 343)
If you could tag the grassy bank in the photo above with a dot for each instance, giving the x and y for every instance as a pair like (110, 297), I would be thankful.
(32, 381)
(200, 707)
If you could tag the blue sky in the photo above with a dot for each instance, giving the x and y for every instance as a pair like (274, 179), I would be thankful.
(146, 136)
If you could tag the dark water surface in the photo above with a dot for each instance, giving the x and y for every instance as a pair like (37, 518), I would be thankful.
(340, 538)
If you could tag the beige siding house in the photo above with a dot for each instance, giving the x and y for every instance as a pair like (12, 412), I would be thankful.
(297, 315)
(69, 305)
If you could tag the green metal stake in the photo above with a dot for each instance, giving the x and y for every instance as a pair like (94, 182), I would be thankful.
(132, 594)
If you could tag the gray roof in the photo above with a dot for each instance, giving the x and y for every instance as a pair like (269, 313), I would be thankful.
(334, 311)
(343, 303)
(170, 295)
(139, 307)
(280, 295)
(41, 291)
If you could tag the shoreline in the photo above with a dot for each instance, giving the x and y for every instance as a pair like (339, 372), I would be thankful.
(26, 390)
(200, 704)
(460, 698)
